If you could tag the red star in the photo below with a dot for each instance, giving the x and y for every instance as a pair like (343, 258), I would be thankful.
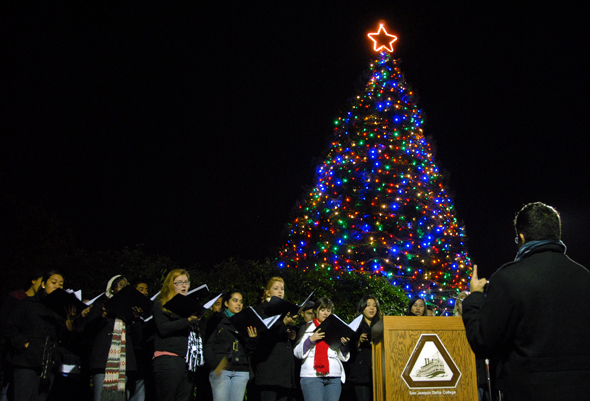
(382, 39)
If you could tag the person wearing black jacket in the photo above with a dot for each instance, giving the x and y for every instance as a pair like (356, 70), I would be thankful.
(144, 350)
(107, 351)
(228, 353)
(273, 361)
(34, 332)
(171, 373)
(33, 283)
(522, 320)
(361, 362)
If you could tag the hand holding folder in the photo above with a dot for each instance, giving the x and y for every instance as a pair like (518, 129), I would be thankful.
(279, 306)
(334, 330)
(187, 305)
(128, 304)
(248, 318)
(63, 303)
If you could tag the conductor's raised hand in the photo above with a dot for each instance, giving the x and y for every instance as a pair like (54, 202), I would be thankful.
(317, 336)
(477, 284)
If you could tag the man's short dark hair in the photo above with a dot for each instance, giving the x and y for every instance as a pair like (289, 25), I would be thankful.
(538, 221)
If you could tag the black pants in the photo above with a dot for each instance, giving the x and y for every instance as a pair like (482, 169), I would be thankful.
(363, 393)
(28, 385)
(274, 393)
(171, 378)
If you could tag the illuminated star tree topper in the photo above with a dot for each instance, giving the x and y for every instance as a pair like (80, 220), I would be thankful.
(382, 40)
(379, 205)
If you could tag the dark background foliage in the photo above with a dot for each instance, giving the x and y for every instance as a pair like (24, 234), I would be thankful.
(345, 289)
(33, 239)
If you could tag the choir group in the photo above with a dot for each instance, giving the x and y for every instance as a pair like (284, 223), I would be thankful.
(122, 346)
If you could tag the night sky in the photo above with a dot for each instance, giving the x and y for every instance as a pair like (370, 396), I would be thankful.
(194, 129)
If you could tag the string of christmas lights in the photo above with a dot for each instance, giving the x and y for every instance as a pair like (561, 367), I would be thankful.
(379, 205)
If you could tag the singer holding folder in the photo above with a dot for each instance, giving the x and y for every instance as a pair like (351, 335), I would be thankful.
(322, 372)
(273, 360)
(361, 366)
(112, 359)
(33, 332)
(173, 335)
(228, 353)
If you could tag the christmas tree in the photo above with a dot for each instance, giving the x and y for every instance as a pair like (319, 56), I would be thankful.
(379, 205)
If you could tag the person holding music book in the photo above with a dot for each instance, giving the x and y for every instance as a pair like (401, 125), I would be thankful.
(144, 350)
(178, 346)
(335, 329)
(249, 318)
(188, 305)
(128, 304)
(63, 303)
(273, 361)
(33, 332)
(112, 360)
(361, 360)
(228, 352)
(322, 371)
(207, 325)
(276, 305)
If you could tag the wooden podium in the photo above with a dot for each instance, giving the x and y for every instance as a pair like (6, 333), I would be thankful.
(417, 358)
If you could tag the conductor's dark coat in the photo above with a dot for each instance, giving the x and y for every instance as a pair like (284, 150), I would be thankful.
(535, 318)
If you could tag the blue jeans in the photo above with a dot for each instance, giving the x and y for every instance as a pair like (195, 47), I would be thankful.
(229, 385)
(321, 388)
(138, 391)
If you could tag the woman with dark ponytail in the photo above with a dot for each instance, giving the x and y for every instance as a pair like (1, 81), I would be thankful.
(34, 332)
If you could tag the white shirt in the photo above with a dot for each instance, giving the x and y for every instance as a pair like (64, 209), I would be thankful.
(335, 357)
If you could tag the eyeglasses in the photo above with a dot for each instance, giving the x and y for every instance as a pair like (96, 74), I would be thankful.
(179, 283)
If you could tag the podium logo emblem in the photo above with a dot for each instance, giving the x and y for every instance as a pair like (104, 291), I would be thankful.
(430, 365)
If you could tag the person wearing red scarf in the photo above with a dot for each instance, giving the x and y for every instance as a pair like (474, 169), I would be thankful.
(322, 372)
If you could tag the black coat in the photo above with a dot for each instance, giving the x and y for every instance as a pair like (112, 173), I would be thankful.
(171, 331)
(32, 322)
(361, 358)
(102, 330)
(535, 320)
(274, 362)
(221, 344)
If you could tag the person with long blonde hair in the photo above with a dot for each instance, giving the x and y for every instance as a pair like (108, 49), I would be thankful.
(176, 338)
(273, 360)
